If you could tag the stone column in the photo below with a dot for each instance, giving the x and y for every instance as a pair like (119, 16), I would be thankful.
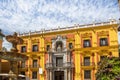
(69, 75)
(50, 75)
(65, 75)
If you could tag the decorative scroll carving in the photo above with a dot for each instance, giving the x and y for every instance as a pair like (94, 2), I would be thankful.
(87, 35)
(35, 41)
(103, 33)
(14, 40)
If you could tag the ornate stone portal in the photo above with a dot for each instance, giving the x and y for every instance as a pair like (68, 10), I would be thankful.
(13, 57)
(59, 65)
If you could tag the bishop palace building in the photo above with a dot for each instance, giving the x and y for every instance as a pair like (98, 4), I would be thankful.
(70, 53)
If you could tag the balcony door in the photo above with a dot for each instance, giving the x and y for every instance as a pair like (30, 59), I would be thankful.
(86, 61)
(34, 64)
(59, 61)
(59, 75)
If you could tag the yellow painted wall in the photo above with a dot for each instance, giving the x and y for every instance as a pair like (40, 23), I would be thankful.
(94, 52)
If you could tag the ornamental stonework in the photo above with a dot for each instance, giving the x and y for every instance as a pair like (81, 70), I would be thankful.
(103, 33)
(86, 35)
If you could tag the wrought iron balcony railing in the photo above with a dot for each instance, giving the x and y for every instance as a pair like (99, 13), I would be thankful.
(59, 65)
(34, 66)
(23, 66)
(88, 64)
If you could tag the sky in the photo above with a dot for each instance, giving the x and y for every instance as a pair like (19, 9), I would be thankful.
(34, 15)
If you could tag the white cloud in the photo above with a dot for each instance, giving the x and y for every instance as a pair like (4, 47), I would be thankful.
(30, 15)
(6, 44)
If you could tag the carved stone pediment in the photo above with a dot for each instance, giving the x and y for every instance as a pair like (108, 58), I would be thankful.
(35, 41)
(86, 35)
(59, 43)
(103, 33)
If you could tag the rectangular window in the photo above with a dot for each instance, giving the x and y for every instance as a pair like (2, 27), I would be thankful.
(103, 42)
(23, 72)
(23, 49)
(86, 61)
(23, 64)
(59, 61)
(35, 63)
(48, 47)
(87, 74)
(35, 48)
(34, 75)
(70, 45)
(86, 43)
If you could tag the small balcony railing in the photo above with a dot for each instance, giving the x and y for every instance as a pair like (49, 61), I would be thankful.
(34, 66)
(23, 66)
(60, 65)
(88, 64)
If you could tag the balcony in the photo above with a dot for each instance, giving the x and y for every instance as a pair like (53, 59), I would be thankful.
(88, 65)
(34, 67)
(23, 68)
(60, 65)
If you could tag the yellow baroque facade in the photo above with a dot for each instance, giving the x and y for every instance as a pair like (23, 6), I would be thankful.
(70, 53)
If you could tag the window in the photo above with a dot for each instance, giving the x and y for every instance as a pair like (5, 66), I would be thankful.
(22, 72)
(70, 46)
(86, 43)
(87, 74)
(35, 48)
(35, 63)
(34, 75)
(59, 61)
(23, 49)
(103, 42)
(86, 61)
(23, 64)
(48, 47)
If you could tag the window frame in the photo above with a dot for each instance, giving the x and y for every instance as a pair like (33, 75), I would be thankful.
(36, 76)
(34, 48)
(47, 47)
(88, 42)
(86, 75)
(70, 45)
(35, 63)
(86, 63)
(23, 49)
(102, 40)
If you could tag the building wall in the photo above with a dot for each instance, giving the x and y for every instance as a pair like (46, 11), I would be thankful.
(1, 40)
(75, 36)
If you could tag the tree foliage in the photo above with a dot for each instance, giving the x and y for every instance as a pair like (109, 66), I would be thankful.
(109, 69)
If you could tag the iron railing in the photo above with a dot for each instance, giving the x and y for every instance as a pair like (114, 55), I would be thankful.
(87, 64)
(34, 66)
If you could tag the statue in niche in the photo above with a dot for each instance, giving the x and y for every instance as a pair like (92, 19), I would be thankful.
(59, 48)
